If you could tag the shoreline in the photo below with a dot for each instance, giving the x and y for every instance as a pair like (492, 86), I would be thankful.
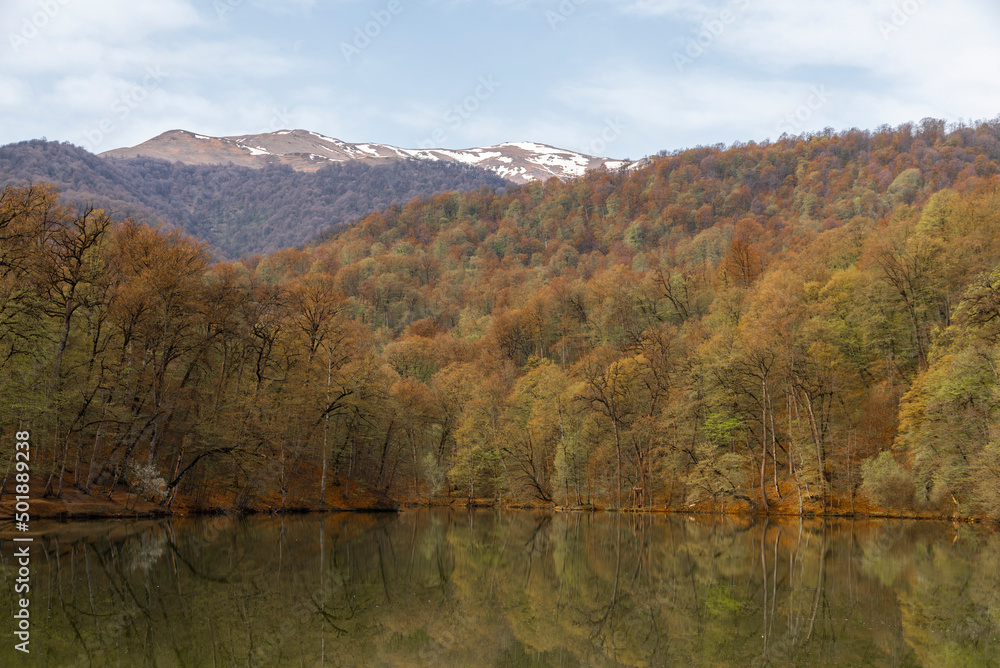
(95, 509)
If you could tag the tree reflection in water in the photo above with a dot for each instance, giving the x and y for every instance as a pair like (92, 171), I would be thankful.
(482, 588)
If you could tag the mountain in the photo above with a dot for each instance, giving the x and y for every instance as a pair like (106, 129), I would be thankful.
(305, 151)
(235, 209)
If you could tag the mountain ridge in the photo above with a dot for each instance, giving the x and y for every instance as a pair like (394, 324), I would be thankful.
(306, 151)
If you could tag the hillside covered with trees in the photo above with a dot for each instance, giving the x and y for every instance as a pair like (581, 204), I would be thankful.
(809, 325)
(238, 211)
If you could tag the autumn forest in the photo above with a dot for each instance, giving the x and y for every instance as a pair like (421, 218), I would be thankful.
(810, 325)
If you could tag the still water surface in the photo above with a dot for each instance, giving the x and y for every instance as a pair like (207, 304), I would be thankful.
(458, 588)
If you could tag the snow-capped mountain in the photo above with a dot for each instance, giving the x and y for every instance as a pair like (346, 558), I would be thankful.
(303, 150)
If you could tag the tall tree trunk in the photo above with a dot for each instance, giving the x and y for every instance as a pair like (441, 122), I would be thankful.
(93, 455)
(413, 447)
(326, 428)
(763, 444)
(774, 446)
(819, 449)
(618, 452)
(283, 483)
(62, 466)
(322, 477)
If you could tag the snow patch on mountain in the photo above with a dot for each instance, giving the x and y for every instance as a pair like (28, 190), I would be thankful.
(521, 161)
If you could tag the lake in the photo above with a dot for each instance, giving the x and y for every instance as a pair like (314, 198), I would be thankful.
(520, 588)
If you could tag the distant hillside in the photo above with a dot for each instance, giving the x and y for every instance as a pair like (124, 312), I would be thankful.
(520, 162)
(237, 210)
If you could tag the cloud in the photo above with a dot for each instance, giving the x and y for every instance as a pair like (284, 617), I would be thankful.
(13, 93)
(655, 101)
(765, 65)
(107, 73)
(659, 7)
(239, 73)
(119, 21)
(285, 7)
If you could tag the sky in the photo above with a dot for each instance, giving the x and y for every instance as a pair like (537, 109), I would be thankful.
(615, 78)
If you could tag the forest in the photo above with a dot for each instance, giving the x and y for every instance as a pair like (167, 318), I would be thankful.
(810, 325)
(237, 211)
